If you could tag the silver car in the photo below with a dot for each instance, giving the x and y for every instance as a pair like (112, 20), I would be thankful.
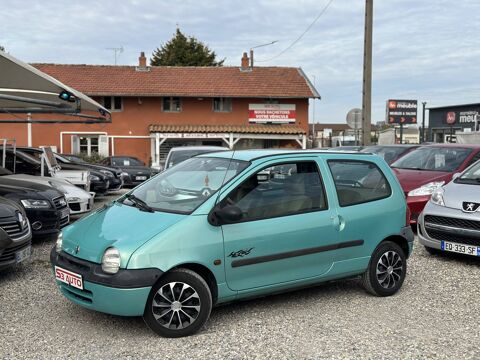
(451, 219)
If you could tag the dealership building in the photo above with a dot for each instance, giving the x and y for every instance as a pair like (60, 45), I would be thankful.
(445, 121)
(156, 108)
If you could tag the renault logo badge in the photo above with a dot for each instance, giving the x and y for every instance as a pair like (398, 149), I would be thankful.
(77, 249)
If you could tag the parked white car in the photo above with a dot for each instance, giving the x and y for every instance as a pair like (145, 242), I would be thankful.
(79, 201)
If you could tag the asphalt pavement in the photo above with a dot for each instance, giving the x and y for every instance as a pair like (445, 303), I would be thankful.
(435, 315)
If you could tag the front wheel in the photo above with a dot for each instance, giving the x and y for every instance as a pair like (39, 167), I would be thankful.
(386, 270)
(179, 304)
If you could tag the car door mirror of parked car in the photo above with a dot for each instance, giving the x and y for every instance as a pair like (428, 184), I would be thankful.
(456, 175)
(224, 215)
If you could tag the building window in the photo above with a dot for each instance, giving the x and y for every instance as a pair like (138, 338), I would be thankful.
(113, 103)
(171, 104)
(222, 104)
(88, 145)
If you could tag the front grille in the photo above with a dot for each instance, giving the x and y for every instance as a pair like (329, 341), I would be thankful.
(14, 230)
(64, 221)
(453, 222)
(9, 253)
(462, 239)
(60, 203)
(73, 265)
(74, 206)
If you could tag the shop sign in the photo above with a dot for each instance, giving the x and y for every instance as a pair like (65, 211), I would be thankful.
(271, 113)
(402, 111)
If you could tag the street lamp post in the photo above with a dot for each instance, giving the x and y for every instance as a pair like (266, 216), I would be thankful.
(423, 122)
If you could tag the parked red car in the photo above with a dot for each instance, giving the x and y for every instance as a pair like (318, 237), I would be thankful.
(426, 168)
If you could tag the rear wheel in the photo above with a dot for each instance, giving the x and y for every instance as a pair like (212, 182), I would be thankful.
(179, 304)
(386, 271)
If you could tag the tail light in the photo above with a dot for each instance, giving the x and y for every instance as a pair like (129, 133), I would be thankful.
(408, 215)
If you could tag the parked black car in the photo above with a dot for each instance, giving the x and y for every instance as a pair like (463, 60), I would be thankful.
(27, 161)
(115, 175)
(136, 169)
(15, 234)
(45, 207)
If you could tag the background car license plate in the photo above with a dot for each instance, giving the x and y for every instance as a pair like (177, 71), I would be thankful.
(69, 277)
(23, 254)
(461, 248)
(141, 178)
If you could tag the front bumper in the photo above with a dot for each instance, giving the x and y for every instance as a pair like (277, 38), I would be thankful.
(51, 220)
(124, 293)
(431, 234)
(80, 207)
(100, 187)
(115, 184)
(8, 255)
(416, 205)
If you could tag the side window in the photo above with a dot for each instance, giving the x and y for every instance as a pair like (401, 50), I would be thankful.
(358, 182)
(280, 190)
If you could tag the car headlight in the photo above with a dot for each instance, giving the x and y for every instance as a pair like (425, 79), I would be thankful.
(35, 204)
(93, 178)
(59, 242)
(426, 189)
(437, 197)
(111, 260)
(107, 173)
(73, 199)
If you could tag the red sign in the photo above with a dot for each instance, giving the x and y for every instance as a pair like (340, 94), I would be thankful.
(450, 117)
(271, 113)
(402, 111)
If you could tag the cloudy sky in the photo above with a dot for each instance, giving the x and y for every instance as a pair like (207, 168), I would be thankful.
(422, 49)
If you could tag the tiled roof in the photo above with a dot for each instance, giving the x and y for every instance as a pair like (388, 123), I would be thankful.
(242, 129)
(263, 82)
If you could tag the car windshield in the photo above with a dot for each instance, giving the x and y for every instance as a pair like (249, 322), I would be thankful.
(445, 159)
(75, 159)
(472, 174)
(182, 188)
(388, 153)
(63, 159)
(126, 161)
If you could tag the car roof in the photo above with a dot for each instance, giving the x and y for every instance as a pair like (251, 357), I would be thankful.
(453, 145)
(250, 155)
(188, 148)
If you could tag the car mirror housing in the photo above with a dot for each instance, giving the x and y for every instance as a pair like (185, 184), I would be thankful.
(225, 215)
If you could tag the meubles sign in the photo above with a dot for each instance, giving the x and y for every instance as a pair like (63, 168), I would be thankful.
(271, 113)
(402, 111)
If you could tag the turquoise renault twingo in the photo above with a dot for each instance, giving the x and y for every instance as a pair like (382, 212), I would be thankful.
(230, 225)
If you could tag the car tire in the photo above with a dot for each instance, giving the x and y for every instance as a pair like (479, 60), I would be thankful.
(386, 270)
(432, 251)
(179, 304)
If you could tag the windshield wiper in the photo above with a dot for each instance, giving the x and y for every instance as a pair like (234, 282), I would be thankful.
(139, 203)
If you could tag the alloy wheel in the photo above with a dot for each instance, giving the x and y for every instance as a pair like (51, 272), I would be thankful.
(176, 305)
(389, 269)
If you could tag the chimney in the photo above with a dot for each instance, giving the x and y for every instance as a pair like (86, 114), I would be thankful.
(142, 60)
(245, 61)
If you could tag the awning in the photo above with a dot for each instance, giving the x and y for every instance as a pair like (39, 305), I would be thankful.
(24, 89)
(239, 129)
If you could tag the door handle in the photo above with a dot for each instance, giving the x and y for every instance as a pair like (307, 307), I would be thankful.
(338, 222)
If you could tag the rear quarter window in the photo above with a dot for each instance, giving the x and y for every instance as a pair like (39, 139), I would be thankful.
(358, 182)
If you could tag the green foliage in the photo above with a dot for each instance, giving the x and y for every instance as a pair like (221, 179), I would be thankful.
(184, 51)
(95, 158)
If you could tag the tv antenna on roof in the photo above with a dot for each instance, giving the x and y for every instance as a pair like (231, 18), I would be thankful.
(116, 50)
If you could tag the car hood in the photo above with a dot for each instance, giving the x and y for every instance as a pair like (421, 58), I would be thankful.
(136, 170)
(68, 189)
(412, 179)
(456, 193)
(122, 226)
(8, 208)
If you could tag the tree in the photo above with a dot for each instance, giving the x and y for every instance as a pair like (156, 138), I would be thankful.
(184, 51)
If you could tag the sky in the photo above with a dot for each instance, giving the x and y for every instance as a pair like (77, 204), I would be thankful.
(426, 50)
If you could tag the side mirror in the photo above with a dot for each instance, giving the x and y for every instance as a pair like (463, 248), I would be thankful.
(226, 215)
(456, 175)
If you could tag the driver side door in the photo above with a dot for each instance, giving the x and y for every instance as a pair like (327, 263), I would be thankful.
(287, 230)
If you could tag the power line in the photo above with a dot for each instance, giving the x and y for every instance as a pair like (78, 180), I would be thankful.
(301, 35)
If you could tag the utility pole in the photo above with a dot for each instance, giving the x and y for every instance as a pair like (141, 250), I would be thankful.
(314, 135)
(367, 74)
(422, 139)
